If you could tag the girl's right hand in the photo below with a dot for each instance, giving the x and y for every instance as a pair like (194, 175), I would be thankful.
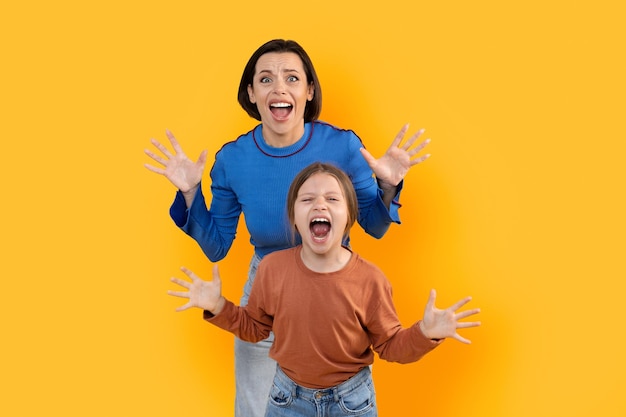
(206, 295)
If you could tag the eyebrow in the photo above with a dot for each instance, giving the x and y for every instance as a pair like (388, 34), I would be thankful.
(330, 193)
(266, 71)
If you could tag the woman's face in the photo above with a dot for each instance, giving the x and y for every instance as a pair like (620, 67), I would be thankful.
(321, 214)
(280, 90)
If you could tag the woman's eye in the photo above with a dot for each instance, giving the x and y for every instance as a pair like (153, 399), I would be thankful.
(265, 80)
(292, 79)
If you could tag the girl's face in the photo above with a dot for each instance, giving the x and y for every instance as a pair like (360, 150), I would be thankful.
(321, 214)
(280, 91)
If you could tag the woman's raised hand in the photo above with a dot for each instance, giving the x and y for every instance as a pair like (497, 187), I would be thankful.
(177, 167)
(393, 166)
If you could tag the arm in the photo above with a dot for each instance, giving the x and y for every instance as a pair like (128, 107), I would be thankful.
(213, 230)
(207, 295)
(405, 345)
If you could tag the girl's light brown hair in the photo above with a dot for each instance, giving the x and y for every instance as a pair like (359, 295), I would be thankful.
(344, 183)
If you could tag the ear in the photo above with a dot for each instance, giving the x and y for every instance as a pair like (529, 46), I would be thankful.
(251, 96)
(310, 92)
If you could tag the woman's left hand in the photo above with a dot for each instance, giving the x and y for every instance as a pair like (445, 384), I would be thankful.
(393, 166)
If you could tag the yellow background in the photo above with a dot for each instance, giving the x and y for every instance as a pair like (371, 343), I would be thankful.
(520, 206)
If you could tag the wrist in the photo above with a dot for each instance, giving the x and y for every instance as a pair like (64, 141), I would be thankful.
(426, 334)
(386, 187)
(219, 306)
(191, 191)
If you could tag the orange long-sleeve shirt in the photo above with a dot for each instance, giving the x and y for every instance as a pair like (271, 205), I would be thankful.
(325, 324)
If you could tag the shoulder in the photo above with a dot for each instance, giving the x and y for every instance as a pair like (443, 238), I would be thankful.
(242, 143)
(370, 272)
(278, 258)
(323, 132)
(320, 126)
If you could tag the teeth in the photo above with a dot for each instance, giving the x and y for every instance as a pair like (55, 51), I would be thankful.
(320, 220)
(280, 105)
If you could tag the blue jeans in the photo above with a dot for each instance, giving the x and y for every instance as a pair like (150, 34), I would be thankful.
(254, 369)
(354, 397)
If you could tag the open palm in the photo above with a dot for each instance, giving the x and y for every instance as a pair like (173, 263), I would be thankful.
(177, 167)
(392, 167)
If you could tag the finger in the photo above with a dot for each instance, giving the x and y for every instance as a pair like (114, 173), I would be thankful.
(155, 169)
(189, 273)
(419, 147)
(180, 282)
(216, 275)
(431, 299)
(399, 136)
(181, 294)
(184, 307)
(174, 142)
(461, 339)
(161, 147)
(155, 157)
(467, 324)
(459, 304)
(412, 140)
(369, 158)
(202, 158)
(419, 160)
(467, 313)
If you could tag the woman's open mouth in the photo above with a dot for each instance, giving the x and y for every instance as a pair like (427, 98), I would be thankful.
(281, 110)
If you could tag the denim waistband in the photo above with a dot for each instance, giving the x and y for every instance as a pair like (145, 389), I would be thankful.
(332, 393)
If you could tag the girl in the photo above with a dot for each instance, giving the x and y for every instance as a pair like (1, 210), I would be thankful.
(328, 308)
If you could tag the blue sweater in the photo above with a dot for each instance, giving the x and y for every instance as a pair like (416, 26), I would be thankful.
(252, 177)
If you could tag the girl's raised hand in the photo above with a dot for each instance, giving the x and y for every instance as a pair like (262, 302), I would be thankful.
(440, 324)
(206, 295)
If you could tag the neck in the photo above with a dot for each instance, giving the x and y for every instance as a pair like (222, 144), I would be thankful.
(331, 261)
(282, 140)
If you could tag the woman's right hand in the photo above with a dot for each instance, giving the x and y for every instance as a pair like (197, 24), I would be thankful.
(178, 168)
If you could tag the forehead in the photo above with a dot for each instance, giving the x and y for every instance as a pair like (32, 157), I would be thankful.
(321, 182)
(273, 61)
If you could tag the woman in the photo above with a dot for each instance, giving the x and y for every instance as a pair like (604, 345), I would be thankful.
(251, 175)
(328, 307)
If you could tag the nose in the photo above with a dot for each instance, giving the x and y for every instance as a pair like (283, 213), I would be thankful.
(279, 86)
(320, 203)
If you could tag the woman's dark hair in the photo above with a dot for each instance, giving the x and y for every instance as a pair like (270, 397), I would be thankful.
(313, 107)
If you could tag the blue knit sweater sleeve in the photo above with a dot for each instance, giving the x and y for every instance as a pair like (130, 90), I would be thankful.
(214, 234)
(374, 217)
(214, 230)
